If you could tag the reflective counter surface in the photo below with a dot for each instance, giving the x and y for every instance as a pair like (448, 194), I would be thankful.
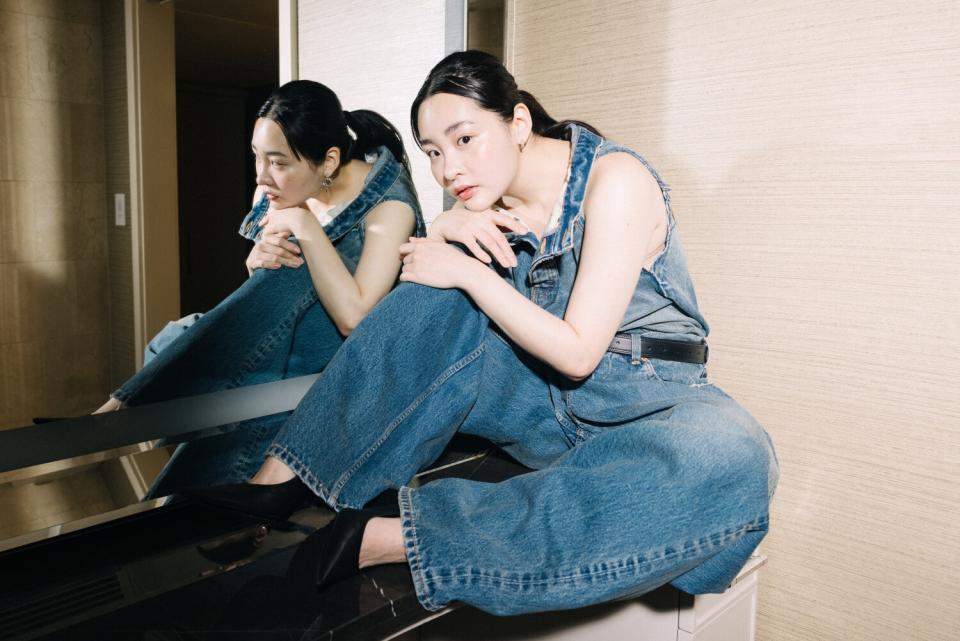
(185, 571)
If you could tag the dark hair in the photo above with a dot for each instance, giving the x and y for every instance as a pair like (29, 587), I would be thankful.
(481, 77)
(311, 118)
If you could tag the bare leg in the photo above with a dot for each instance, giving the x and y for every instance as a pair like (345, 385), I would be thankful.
(382, 543)
(272, 472)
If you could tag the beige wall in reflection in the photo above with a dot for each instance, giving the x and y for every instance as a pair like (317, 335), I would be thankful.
(62, 151)
(54, 355)
(370, 70)
(814, 155)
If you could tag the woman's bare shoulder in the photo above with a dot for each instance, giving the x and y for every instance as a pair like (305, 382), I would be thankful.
(620, 183)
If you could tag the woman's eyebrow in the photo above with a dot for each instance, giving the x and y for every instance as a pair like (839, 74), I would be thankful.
(447, 131)
(269, 153)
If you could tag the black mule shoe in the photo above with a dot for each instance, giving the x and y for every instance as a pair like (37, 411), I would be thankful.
(275, 502)
(339, 556)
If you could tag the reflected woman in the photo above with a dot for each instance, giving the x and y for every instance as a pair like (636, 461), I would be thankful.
(330, 213)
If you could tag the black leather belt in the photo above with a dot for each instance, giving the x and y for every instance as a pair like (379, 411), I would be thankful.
(662, 348)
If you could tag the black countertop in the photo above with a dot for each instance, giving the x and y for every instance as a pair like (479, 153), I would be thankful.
(186, 571)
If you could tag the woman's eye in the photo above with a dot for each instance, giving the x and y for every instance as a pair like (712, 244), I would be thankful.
(433, 153)
(462, 140)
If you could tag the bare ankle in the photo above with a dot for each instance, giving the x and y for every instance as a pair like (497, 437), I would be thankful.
(382, 543)
(272, 472)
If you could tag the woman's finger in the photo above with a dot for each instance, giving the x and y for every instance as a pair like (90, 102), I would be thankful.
(475, 249)
(503, 219)
(492, 241)
(509, 258)
(280, 253)
(280, 240)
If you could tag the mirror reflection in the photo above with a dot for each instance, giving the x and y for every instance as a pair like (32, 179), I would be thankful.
(66, 332)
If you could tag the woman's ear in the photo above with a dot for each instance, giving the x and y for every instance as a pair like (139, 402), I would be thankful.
(331, 162)
(522, 125)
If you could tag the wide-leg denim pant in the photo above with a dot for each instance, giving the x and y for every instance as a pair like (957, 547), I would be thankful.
(272, 327)
(640, 480)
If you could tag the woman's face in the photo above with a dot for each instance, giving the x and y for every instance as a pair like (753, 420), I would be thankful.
(288, 181)
(473, 152)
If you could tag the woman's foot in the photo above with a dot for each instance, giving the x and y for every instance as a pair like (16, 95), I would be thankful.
(275, 493)
(358, 539)
(274, 502)
(272, 472)
(382, 543)
(112, 405)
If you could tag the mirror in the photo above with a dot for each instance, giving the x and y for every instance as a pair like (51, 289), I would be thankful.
(66, 329)
(66, 266)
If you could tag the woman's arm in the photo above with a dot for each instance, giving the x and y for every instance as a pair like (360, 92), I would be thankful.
(625, 224)
(272, 251)
(348, 297)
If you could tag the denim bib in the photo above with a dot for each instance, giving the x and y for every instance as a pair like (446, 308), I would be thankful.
(664, 304)
(386, 180)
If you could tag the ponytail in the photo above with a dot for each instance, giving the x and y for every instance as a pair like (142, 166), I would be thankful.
(312, 121)
(482, 78)
(372, 131)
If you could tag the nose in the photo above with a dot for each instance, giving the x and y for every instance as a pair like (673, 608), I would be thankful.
(451, 169)
(263, 178)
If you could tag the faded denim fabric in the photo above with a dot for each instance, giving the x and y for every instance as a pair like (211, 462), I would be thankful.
(645, 473)
(272, 327)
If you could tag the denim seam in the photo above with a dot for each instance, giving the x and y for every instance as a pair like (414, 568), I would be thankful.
(440, 380)
(292, 460)
(668, 554)
(412, 549)
(270, 340)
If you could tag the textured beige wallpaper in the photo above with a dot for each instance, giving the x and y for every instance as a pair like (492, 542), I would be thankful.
(376, 60)
(814, 155)
(53, 248)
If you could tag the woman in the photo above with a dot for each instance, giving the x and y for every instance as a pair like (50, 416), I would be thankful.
(581, 352)
(331, 211)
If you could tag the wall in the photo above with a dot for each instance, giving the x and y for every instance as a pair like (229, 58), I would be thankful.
(58, 256)
(368, 71)
(53, 250)
(814, 155)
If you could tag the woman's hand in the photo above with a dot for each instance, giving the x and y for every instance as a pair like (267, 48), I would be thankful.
(434, 263)
(480, 232)
(290, 221)
(274, 251)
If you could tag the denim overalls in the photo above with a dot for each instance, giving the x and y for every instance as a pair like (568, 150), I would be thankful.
(272, 327)
(645, 473)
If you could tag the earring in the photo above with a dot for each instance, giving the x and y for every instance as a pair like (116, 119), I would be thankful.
(523, 145)
(327, 181)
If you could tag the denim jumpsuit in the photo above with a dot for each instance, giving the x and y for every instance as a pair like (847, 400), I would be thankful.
(272, 327)
(644, 473)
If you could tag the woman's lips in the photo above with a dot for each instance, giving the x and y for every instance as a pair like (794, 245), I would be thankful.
(465, 192)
